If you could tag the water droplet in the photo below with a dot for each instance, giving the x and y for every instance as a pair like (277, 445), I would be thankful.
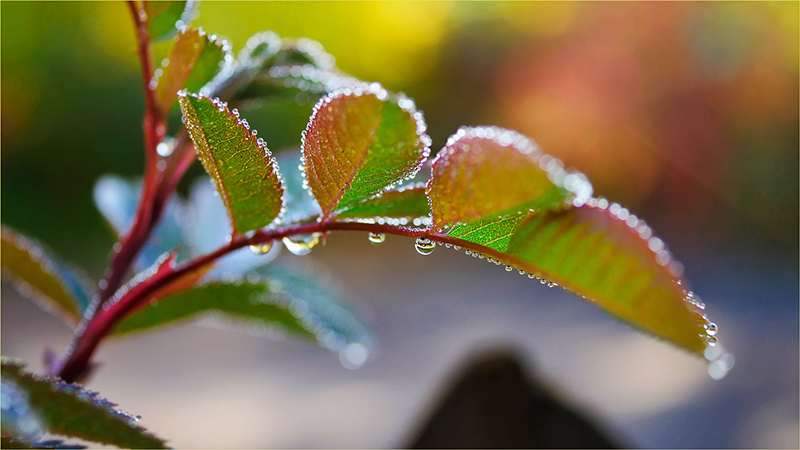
(712, 341)
(509, 268)
(424, 245)
(261, 249)
(377, 238)
(711, 328)
(302, 243)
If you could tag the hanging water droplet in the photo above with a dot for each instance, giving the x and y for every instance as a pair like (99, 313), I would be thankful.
(301, 244)
(711, 328)
(377, 238)
(509, 268)
(261, 249)
(424, 245)
(712, 341)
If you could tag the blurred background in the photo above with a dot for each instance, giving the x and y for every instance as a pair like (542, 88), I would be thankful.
(687, 113)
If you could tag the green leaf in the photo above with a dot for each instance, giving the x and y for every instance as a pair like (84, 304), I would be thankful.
(488, 172)
(69, 410)
(242, 168)
(193, 62)
(408, 202)
(603, 254)
(303, 52)
(164, 18)
(53, 286)
(359, 142)
(301, 83)
(255, 302)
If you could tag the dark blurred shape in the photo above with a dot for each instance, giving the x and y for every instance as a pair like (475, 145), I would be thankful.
(496, 403)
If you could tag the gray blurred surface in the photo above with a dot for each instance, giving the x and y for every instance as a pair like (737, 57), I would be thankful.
(202, 387)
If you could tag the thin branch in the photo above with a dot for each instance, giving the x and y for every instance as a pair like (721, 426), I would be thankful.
(79, 353)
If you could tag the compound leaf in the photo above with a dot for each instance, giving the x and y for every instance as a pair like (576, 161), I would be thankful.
(358, 142)
(242, 168)
(603, 254)
(53, 286)
(488, 172)
(69, 410)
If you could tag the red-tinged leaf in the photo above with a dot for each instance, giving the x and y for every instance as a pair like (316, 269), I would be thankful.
(54, 287)
(488, 172)
(410, 202)
(605, 255)
(242, 168)
(164, 18)
(359, 142)
(194, 60)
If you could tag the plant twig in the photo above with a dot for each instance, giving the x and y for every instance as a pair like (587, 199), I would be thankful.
(78, 354)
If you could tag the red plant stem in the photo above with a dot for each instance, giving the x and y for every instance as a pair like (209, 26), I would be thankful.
(86, 341)
(148, 212)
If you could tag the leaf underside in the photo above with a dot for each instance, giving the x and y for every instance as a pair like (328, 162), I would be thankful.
(54, 287)
(242, 168)
(193, 61)
(597, 255)
(356, 145)
(67, 409)
(408, 202)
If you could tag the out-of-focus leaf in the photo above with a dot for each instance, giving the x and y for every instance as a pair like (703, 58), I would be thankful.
(242, 168)
(194, 60)
(408, 202)
(604, 255)
(487, 172)
(117, 199)
(164, 18)
(210, 229)
(18, 419)
(69, 410)
(294, 83)
(8, 442)
(358, 142)
(338, 326)
(53, 286)
(303, 52)
(300, 204)
(256, 303)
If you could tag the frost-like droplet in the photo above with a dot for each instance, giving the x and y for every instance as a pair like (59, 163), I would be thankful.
(424, 246)
(377, 238)
(261, 249)
(301, 244)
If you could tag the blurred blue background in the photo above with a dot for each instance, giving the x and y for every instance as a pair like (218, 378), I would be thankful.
(685, 112)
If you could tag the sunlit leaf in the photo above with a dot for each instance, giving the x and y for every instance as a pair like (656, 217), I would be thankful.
(488, 172)
(358, 142)
(242, 168)
(409, 202)
(194, 60)
(164, 18)
(69, 410)
(117, 199)
(605, 255)
(303, 52)
(55, 287)
(297, 83)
